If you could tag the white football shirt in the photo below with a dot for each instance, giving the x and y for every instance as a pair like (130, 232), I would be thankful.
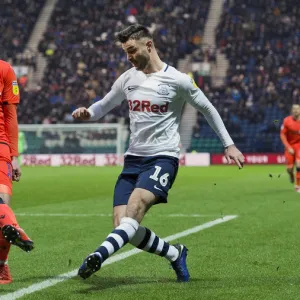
(155, 104)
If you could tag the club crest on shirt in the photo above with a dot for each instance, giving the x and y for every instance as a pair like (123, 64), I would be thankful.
(194, 83)
(163, 89)
(15, 88)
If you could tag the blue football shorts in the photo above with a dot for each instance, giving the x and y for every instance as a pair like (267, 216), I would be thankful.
(152, 173)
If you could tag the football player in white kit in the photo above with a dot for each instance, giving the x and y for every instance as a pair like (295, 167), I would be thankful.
(156, 93)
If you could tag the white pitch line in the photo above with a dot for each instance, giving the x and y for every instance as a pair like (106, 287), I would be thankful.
(109, 215)
(60, 278)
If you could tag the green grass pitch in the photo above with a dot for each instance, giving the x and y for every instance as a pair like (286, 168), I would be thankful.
(255, 256)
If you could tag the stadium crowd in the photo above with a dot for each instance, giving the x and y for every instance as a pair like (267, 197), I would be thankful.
(17, 19)
(259, 37)
(83, 60)
(261, 40)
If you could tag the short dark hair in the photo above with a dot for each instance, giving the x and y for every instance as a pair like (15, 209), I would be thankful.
(134, 32)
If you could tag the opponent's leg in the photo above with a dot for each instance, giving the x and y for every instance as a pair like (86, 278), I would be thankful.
(297, 158)
(5, 276)
(291, 174)
(290, 162)
(10, 233)
(10, 228)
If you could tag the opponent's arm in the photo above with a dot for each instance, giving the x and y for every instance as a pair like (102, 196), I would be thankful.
(283, 137)
(11, 127)
(11, 98)
(199, 101)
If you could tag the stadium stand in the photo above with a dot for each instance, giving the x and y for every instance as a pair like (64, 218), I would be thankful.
(83, 60)
(261, 41)
(17, 19)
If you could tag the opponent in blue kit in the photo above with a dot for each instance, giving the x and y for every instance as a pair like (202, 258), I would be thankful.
(156, 93)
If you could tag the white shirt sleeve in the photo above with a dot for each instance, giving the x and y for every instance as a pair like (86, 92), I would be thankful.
(114, 98)
(193, 95)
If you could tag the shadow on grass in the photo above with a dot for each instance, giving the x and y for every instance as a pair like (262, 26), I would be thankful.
(4, 290)
(98, 283)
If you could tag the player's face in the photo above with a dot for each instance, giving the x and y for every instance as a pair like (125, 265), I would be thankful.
(137, 53)
(296, 111)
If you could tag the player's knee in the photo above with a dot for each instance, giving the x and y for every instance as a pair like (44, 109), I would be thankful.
(5, 198)
(137, 209)
(117, 221)
(290, 170)
(134, 209)
(118, 213)
(140, 201)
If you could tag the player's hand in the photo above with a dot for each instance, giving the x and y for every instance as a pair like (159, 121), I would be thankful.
(81, 113)
(16, 170)
(291, 151)
(233, 153)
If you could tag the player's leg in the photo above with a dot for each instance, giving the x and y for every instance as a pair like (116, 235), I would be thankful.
(297, 164)
(5, 276)
(9, 234)
(139, 203)
(10, 228)
(123, 231)
(290, 161)
(158, 180)
(146, 240)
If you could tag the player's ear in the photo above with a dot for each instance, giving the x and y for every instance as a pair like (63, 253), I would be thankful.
(149, 45)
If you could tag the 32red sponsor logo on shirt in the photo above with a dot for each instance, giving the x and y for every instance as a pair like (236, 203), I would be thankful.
(145, 106)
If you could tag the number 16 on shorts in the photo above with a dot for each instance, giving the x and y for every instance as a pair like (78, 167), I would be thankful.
(162, 179)
(162, 175)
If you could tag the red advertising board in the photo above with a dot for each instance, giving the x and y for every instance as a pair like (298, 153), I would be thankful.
(252, 159)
